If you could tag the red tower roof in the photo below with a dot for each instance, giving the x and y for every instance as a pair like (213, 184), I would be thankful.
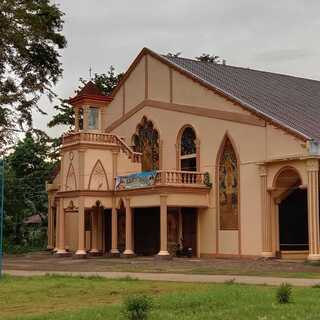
(90, 91)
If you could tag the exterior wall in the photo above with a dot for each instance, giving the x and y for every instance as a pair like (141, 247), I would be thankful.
(71, 224)
(158, 80)
(126, 166)
(253, 143)
(115, 109)
(279, 144)
(135, 86)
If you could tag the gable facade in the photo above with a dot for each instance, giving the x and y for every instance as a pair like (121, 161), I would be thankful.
(155, 90)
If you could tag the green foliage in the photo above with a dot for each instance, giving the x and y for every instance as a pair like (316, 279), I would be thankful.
(26, 170)
(175, 55)
(206, 57)
(137, 307)
(284, 293)
(206, 179)
(30, 44)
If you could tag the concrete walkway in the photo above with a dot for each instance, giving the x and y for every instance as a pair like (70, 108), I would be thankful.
(273, 281)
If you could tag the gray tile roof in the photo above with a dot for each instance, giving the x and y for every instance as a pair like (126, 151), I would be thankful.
(290, 101)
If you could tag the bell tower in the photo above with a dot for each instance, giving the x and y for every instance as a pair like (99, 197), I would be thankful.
(89, 105)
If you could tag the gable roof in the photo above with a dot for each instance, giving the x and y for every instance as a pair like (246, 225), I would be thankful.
(289, 101)
(90, 91)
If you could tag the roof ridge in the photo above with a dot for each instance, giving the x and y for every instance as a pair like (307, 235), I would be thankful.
(242, 68)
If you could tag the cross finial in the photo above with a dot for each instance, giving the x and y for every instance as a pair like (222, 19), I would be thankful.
(90, 70)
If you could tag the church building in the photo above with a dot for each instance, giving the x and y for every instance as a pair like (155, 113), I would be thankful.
(222, 161)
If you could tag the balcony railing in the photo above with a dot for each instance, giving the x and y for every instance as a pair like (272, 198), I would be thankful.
(180, 178)
(101, 138)
(162, 178)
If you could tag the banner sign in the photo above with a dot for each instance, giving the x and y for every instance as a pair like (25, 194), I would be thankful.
(136, 180)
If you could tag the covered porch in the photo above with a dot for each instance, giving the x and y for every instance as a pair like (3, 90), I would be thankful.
(155, 219)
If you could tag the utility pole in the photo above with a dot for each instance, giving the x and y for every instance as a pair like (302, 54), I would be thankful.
(1, 211)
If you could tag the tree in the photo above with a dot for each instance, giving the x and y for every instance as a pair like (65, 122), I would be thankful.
(106, 82)
(206, 57)
(175, 55)
(30, 43)
(27, 169)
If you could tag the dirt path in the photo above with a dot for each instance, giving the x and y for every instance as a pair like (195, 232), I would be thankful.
(274, 281)
(46, 262)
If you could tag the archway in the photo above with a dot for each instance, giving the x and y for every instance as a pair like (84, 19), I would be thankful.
(293, 211)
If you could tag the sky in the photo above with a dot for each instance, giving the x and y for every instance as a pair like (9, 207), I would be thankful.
(277, 35)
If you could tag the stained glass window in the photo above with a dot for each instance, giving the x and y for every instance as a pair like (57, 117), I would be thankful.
(146, 141)
(228, 188)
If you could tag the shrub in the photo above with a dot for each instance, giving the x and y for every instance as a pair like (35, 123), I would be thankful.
(284, 293)
(137, 307)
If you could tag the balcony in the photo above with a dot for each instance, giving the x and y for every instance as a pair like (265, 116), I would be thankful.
(103, 139)
(181, 178)
(163, 178)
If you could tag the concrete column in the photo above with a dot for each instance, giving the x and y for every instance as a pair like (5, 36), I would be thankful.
(94, 250)
(57, 228)
(129, 236)
(313, 209)
(61, 245)
(100, 236)
(76, 119)
(163, 227)
(50, 225)
(81, 154)
(114, 168)
(81, 252)
(265, 214)
(198, 154)
(276, 208)
(114, 229)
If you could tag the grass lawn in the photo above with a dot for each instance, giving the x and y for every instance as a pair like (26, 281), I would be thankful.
(62, 297)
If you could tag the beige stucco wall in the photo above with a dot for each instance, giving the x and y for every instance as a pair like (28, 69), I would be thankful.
(253, 144)
(158, 80)
(135, 86)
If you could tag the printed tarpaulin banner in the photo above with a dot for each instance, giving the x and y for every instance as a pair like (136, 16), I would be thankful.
(136, 180)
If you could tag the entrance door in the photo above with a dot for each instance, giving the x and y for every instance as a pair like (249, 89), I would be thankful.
(293, 221)
(189, 228)
(146, 231)
(107, 229)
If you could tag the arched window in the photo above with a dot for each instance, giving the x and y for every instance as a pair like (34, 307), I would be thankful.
(188, 150)
(146, 141)
(228, 187)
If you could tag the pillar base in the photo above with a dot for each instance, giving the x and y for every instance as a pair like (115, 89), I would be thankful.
(50, 248)
(163, 255)
(80, 254)
(114, 253)
(62, 253)
(267, 254)
(313, 257)
(128, 254)
(95, 253)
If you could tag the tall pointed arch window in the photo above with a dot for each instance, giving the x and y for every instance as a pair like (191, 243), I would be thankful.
(188, 150)
(228, 187)
(146, 141)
